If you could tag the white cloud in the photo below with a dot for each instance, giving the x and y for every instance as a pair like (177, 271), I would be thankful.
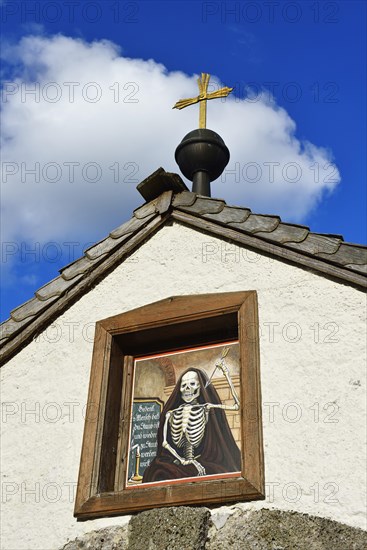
(138, 133)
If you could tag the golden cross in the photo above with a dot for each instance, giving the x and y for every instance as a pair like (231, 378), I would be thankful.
(203, 96)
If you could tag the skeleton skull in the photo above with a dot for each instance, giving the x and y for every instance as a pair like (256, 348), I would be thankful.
(190, 386)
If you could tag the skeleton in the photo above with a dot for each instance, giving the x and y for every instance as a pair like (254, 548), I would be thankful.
(187, 423)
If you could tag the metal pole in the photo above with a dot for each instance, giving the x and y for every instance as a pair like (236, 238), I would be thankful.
(201, 184)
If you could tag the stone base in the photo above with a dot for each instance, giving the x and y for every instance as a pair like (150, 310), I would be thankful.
(279, 530)
(169, 528)
(109, 538)
(187, 528)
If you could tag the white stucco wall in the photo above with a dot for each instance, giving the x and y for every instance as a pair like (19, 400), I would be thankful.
(312, 376)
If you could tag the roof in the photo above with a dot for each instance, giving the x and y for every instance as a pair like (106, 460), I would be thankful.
(327, 255)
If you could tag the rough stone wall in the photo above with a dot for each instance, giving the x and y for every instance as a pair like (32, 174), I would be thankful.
(313, 360)
(194, 529)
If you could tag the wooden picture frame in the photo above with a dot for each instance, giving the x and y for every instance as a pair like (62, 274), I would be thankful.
(172, 326)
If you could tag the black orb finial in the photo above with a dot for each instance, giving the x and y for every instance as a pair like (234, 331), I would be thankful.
(202, 156)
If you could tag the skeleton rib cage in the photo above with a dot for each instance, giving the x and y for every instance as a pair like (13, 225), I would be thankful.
(188, 427)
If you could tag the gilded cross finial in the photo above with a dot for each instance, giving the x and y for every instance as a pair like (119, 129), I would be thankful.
(203, 97)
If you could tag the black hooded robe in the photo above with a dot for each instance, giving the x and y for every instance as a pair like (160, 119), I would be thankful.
(218, 450)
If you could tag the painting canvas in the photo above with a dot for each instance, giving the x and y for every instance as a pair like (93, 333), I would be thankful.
(185, 417)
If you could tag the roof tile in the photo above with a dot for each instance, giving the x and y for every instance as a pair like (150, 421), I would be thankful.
(204, 205)
(285, 232)
(147, 209)
(316, 244)
(360, 268)
(80, 266)
(349, 254)
(159, 205)
(257, 222)
(331, 235)
(104, 246)
(130, 227)
(10, 327)
(30, 308)
(56, 287)
(164, 202)
(186, 198)
(230, 214)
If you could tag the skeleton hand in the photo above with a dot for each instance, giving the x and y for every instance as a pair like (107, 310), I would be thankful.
(223, 367)
(198, 466)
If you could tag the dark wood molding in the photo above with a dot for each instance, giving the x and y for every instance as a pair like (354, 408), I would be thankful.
(166, 325)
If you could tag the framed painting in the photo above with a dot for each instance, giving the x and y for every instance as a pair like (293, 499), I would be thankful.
(193, 429)
(175, 407)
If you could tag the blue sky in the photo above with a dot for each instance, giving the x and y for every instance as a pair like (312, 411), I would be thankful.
(105, 75)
